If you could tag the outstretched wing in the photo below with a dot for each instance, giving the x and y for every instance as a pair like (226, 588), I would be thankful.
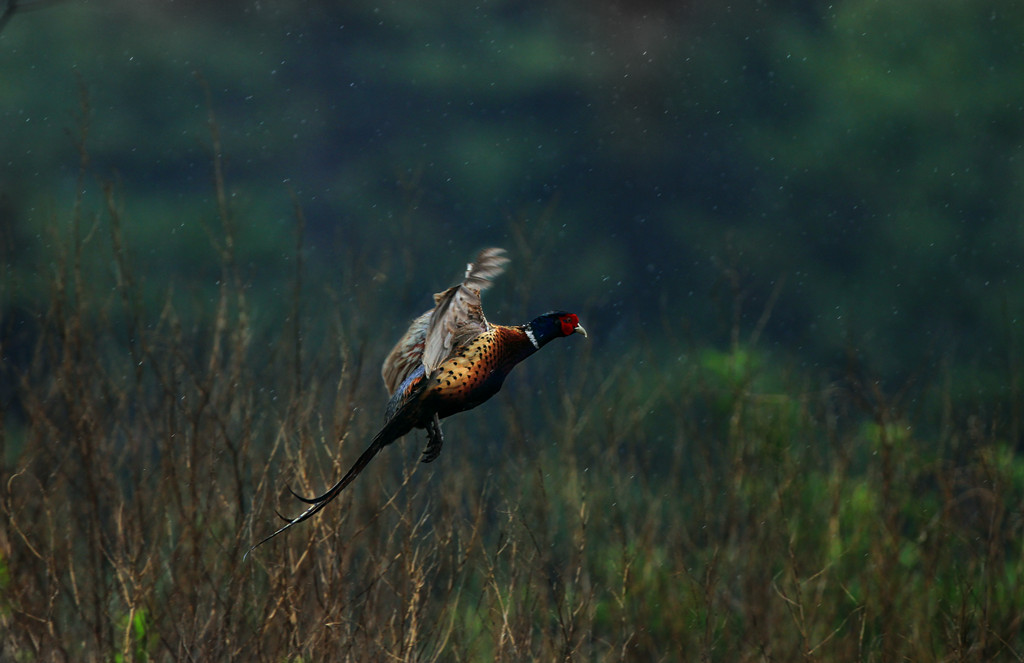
(457, 318)
(458, 314)
(407, 354)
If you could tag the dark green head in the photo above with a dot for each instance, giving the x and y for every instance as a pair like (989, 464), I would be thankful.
(556, 324)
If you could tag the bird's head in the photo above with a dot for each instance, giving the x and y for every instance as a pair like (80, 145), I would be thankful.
(556, 324)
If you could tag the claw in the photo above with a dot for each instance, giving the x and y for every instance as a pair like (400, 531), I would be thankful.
(435, 439)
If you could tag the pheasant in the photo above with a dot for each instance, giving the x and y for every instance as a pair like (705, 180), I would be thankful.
(450, 360)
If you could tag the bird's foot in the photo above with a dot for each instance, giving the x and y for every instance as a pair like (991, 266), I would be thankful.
(434, 441)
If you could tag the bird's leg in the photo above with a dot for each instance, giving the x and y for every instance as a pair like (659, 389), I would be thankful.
(434, 441)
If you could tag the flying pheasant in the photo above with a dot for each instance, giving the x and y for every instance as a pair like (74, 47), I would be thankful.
(450, 360)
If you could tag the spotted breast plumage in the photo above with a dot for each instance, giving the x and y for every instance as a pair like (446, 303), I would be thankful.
(450, 360)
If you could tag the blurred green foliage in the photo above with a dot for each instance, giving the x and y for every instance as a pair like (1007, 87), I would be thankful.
(793, 230)
(867, 153)
(632, 506)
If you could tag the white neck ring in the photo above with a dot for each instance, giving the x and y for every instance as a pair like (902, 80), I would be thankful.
(533, 339)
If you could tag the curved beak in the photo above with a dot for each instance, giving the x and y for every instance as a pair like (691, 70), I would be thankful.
(580, 330)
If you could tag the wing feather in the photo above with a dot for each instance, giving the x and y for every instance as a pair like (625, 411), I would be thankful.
(456, 319)
(407, 354)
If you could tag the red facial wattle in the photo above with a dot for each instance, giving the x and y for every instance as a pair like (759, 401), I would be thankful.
(571, 325)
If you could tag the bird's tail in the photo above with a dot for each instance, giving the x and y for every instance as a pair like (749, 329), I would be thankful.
(317, 503)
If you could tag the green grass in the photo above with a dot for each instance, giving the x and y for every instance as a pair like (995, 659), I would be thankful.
(608, 505)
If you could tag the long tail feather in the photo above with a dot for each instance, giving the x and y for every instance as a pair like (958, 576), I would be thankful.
(307, 500)
(318, 503)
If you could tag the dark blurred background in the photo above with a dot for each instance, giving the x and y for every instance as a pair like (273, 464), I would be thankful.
(854, 165)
